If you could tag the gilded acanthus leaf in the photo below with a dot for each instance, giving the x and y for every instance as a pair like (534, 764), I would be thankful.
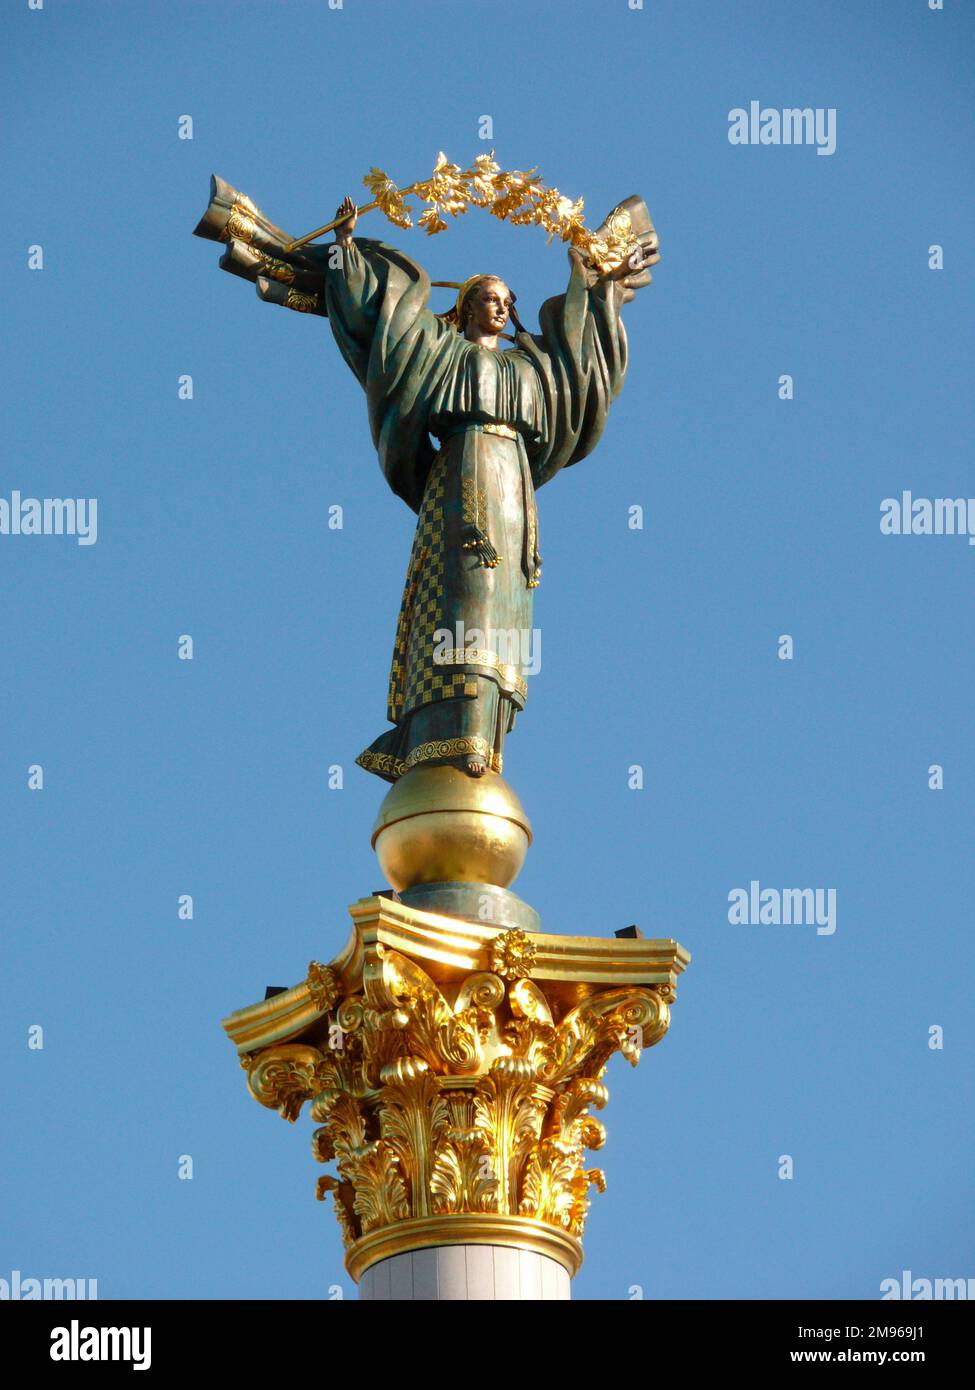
(556, 1187)
(322, 1146)
(415, 1020)
(284, 1077)
(548, 1193)
(412, 1119)
(570, 1118)
(617, 1020)
(448, 1042)
(380, 1192)
(342, 1204)
(463, 1177)
(339, 1073)
(532, 1043)
(509, 1108)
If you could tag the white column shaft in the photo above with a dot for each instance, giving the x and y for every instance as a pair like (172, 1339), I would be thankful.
(465, 1272)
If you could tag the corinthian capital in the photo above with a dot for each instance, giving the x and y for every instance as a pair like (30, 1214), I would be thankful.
(453, 1070)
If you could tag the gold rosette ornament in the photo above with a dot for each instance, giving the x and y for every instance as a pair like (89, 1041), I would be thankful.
(512, 955)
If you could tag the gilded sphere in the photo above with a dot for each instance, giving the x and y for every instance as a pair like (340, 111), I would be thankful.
(440, 825)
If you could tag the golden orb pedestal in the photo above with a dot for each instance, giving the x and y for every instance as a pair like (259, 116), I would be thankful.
(440, 825)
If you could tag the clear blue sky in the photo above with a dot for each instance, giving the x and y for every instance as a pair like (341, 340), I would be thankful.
(659, 647)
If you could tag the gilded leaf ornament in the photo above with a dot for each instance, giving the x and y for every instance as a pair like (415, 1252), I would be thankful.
(471, 1098)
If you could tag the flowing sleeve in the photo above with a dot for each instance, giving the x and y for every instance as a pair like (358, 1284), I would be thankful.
(580, 360)
(377, 304)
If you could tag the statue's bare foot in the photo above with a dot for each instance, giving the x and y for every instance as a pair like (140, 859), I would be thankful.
(476, 767)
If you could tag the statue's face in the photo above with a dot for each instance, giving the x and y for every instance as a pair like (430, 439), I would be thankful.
(488, 308)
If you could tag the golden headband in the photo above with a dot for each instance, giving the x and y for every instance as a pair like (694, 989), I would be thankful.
(463, 289)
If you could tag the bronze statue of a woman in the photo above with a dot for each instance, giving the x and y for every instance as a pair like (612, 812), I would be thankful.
(505, 420)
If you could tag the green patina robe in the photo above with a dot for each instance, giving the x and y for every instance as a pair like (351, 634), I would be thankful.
(506, 421)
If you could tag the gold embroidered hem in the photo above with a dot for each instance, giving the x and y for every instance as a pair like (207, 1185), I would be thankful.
(389, 766)
(508, 678)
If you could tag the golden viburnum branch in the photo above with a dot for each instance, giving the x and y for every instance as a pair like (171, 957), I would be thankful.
(518, 197)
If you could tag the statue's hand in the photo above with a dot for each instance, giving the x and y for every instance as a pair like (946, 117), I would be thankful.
(347, 211)
(634, 272)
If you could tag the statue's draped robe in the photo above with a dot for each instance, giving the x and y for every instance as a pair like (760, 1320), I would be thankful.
(506, 422)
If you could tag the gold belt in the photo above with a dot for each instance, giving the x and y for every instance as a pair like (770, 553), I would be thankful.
(505, 431)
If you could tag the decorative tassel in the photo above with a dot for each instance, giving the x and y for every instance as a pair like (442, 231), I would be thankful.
(476, 540)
